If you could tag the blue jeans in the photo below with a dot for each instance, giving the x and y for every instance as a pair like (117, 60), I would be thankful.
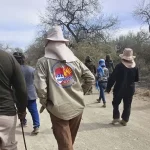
(102, 87)
(32, 107)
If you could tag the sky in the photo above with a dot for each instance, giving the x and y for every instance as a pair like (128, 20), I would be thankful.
(19, 19)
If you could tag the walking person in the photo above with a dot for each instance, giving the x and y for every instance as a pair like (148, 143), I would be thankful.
(89, 64)
(109, 64)
(58, 79)
(102, 78)
(124, 77)
(28, 73)
(10, 76)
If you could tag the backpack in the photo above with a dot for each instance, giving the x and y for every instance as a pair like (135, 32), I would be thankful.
(102, 74)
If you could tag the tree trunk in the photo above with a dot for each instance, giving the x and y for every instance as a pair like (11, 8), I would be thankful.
(73, 34)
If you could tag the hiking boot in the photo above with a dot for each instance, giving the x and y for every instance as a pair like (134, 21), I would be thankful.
(123, 123)
(35, 131)
(115, 121)
(98, 100)
(104, 105)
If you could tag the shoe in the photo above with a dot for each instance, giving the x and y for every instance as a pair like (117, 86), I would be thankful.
(104, 106)
(98, 100)
(123, 123)
(115, 121)
(35, 131)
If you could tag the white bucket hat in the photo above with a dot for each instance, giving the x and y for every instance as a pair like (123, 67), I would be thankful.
(57, 49)
(127, 54)
(56, 34)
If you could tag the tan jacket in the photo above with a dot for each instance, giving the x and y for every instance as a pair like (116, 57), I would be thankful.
(60, 86)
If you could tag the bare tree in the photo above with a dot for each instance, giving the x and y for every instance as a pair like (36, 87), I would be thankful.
(142, 12)
(82, 19)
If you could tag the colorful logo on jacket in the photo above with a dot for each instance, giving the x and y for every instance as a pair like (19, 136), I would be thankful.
(63, 75)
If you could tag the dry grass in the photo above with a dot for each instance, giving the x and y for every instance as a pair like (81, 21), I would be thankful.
(143, 92)
(146, 93)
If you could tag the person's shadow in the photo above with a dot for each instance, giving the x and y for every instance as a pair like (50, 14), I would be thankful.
(95, 126)
(47, 131)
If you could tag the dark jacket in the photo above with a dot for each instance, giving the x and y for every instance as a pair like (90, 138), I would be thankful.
(91, 66)
(29, 78)
(124, 79)
(11, 76)
(109, 65)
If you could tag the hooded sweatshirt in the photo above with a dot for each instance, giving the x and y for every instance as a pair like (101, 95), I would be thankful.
(60, 80)
(109, 65)
(89, 64)
(102, 71)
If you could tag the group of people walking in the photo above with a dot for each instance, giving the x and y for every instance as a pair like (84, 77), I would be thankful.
(102, 74)
(122, 77)
(60, 80)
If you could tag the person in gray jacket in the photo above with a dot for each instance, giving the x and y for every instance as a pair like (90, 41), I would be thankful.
(28, 73)
(61, 79)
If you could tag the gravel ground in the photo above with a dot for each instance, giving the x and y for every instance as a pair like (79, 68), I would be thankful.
(96, 132)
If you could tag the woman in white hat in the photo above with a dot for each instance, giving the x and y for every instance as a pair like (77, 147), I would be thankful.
(58, 79)
(124, 77)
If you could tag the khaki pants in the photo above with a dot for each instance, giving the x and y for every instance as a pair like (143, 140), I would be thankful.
(7, 132)
(65, 131)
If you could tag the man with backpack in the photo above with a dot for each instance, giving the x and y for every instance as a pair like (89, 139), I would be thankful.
(102, 79)
(28, 73)
(89, 64)
(11, 78)
(109, 64)
(58, 79)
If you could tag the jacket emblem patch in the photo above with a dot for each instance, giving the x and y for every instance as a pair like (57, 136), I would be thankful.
(63, 75)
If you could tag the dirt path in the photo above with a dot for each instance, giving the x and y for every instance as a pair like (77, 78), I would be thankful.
(96, 132)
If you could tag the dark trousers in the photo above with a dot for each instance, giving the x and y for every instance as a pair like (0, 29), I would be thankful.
(65, 131)
(32, 107)
(127, 100)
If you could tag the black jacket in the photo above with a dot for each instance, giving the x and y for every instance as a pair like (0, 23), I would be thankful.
(11, 76)
(109, 65)
(124, 79)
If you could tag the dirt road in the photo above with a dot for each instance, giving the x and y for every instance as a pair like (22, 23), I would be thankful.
(96, 132)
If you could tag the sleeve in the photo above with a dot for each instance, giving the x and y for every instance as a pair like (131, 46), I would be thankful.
(19, 85)
(137, 75)
(40, 83)
(107, 73)
(112, 79)
(88, 78)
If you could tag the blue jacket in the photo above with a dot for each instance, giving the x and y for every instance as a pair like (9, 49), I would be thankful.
(29, 78)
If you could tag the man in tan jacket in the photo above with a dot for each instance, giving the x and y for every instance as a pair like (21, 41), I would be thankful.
(61, 79)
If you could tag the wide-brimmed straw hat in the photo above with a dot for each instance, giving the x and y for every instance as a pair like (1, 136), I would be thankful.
(127, 54)
(56, 34)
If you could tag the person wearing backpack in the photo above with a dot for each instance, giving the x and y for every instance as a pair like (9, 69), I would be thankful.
(28, 73)
(109, 64)
(102, 78)
(123, 79)
(61, 79)
(90, 65)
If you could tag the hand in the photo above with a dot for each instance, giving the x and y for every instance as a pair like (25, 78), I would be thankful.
(22, 115)
(107, 91)
(42, 109)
